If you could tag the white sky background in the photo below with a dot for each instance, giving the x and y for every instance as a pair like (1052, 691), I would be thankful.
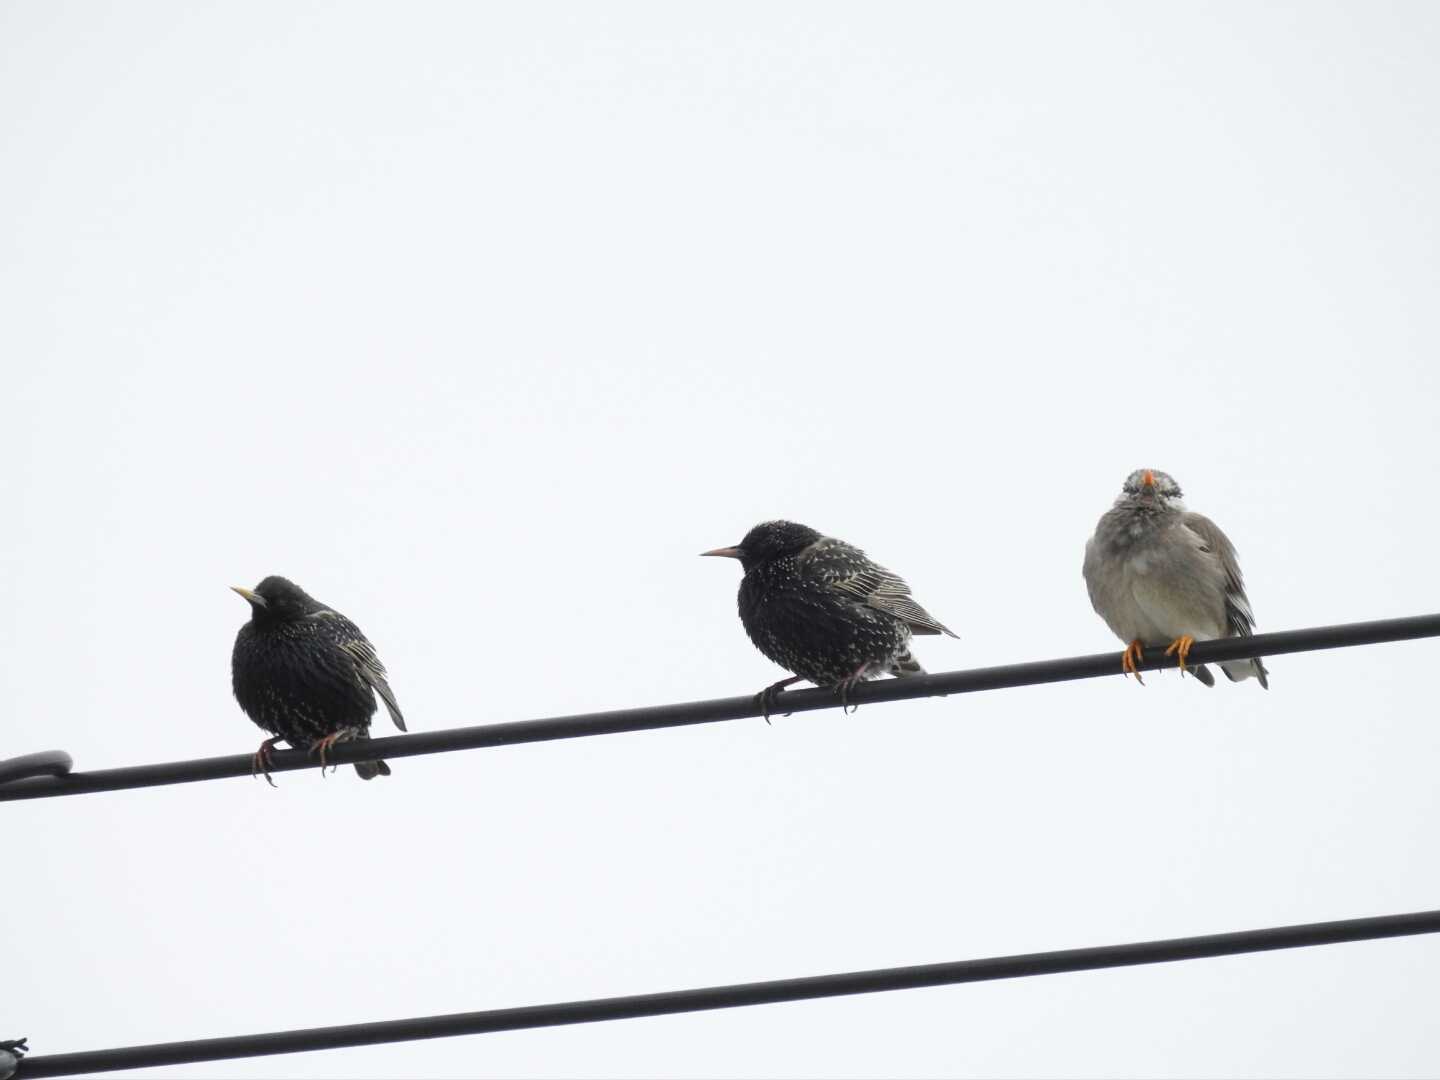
(481, 321)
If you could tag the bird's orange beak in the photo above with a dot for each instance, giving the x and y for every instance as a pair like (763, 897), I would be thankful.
(1149, 480)
(250, 595)
(724, 553)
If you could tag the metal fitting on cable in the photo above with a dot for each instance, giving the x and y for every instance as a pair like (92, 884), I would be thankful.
(45, 763)
(11, 1051)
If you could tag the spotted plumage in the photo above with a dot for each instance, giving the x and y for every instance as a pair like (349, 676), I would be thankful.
(819, 607)
(306, 674)
(1159, 574)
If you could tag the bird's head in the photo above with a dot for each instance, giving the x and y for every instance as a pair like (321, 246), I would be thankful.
(1150, 487)
(278, 599)
(769, 540)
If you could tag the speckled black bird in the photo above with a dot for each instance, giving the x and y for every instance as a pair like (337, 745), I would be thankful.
(819, 607)
(306, 674)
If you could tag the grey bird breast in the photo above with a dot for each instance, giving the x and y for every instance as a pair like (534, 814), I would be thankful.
(1152, 577)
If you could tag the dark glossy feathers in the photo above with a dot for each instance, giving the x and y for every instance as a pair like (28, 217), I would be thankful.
(303, 671)
(828, 613)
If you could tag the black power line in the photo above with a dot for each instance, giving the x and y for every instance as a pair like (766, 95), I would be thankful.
(727, 997)
(735, 708)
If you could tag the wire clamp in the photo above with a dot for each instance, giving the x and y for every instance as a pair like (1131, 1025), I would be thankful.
(45, 763)
(11, 1051)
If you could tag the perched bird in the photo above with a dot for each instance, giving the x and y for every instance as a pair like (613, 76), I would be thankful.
(306, 674)
(819, 607)
(1159, 574)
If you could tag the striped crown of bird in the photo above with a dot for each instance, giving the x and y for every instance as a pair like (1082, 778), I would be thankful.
(306, 674)
(1159, 574)
(819, 607)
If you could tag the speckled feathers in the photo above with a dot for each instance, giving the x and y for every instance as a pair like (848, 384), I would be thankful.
(821, 608)
(302, 671)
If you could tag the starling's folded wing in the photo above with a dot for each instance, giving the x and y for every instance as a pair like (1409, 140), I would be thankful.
(847, 569)
(1238, 616)
(373, 672)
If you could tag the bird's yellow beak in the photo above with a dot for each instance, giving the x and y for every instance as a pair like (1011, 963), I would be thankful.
(1149, 480)
(250, 595)
(724, 553)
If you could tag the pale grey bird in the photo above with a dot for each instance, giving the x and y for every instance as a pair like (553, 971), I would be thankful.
(1158, 574)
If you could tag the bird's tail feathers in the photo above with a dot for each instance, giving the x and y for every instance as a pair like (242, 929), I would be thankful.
(905, 664)
(923, 629)
(368, 770)
(1240, 670)
(1202, 673)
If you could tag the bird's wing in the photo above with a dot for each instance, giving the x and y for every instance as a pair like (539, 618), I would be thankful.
(848, 570)
(1238, 616)
(368, 665)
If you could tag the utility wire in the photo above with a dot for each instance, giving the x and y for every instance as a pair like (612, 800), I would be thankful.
(726, 997)
(735, 708)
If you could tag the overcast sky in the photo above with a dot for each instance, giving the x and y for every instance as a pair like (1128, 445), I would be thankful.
(480, 321)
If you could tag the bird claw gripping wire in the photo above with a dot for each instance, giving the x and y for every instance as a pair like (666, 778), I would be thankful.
(11, 1051)
(845, 685)
(321, 747)
(264, 761)
(765, 699)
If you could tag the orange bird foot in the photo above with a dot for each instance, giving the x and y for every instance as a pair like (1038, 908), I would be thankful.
(1182, 645)
(1133, 655)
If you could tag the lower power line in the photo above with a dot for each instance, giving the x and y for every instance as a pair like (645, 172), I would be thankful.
(728, 997)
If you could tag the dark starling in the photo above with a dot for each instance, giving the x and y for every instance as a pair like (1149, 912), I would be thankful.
(819, 607)
(307, 675)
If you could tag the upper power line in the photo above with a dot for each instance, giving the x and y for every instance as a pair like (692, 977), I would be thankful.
(734, 708)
